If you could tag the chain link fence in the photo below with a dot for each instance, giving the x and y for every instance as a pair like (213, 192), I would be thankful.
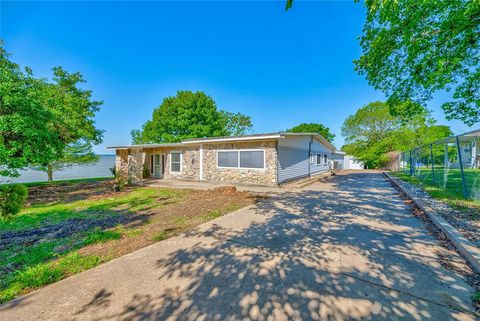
(451, 165)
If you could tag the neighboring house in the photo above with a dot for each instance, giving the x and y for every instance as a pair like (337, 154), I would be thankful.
(264, 159)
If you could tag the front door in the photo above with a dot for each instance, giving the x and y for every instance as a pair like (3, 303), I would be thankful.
(157, 166)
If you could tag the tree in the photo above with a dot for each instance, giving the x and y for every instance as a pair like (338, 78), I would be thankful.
(27, 133)
(189, 115)
(236, 124)
(324, 131)
(77, 153)
(74, 111)
(372, 132)
(39, 119)
(412, 49)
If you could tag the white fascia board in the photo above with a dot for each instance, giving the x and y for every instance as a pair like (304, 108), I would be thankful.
(231, 139)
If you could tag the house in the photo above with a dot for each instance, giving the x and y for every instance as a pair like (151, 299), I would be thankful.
(262, 159)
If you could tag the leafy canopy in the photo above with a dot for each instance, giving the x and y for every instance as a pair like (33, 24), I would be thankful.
(27, 127)
(414, 48)
(39, 119)
(313, 128)
(190, 115)
(372, 132)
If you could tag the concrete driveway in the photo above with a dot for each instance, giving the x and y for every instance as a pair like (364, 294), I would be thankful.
(345, 250)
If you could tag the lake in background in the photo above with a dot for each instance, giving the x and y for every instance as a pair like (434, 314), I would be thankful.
(99, 169)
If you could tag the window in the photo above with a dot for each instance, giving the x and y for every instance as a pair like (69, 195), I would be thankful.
(319, 159)
(251, 159)
(175, 162)
(241, 159)
(325, 159)
(151, 164)
(228, 159)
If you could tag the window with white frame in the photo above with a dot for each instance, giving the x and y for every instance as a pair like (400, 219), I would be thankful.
(175, 162)
(325, 159)
(241, 159)
(319, 159)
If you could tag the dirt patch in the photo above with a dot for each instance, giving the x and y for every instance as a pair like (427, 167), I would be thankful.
(447, 254)
(68, 192)
(197, 208)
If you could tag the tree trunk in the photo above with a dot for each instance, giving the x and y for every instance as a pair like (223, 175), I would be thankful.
(50, 173)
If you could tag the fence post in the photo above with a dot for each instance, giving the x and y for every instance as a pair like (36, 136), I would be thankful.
(431, 162)
(411, 164)
(464, 186)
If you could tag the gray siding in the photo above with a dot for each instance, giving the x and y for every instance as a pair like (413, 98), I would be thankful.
(292, 158)
(318, 148)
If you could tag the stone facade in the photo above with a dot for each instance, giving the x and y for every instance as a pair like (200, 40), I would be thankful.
(121, 164)
(136, 159)
(267, 176)
(130, 163)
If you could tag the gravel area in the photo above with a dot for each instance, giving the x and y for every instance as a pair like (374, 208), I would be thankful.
(465, 221)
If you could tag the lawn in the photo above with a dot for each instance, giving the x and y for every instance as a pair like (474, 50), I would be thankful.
(449, 190)
(50, 241)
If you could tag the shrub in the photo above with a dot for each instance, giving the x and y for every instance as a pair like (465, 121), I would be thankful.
(113, 170)
(12, 198)
(146, 172)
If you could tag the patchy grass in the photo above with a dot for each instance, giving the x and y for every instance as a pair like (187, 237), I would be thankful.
(160, 236)
(137, 200)
(41, 274)
(50, 241)
(65, 181)
(476, 297)
(99, 236)
(453, 193)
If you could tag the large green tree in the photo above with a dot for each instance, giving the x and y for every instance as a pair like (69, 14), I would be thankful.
(77, 153)
(27, 126)
(414, 48)
(313, 128)
(372, 132)
(41, 119)
(190, 115)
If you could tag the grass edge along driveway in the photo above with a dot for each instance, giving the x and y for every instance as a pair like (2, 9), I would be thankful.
(47, 243)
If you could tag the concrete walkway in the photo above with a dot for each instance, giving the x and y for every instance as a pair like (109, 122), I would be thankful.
(345, 250)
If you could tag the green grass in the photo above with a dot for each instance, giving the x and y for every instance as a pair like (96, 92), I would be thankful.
(136, 200)
(99, 236)
(38, 275)
(160, 236)
(65, 181)
(26, 267)
(476, 297)
(453, 191)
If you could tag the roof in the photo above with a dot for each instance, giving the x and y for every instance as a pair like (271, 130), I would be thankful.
(227, 139)
(144, 146)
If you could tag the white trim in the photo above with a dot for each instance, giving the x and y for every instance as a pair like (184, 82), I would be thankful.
(232, 139)
(201, 163)
(170, 161)
(316, 159)
(325, 159)
(238, 157)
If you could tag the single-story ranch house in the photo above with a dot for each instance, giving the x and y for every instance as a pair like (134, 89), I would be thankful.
(263, 159)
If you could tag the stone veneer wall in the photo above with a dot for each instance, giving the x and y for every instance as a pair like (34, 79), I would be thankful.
(267, 176)
(190, 162)
(121, 164)
(136, 160)
(129, 164)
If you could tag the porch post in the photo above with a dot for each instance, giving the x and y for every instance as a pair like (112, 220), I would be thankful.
(464, 186)
(201, 162)
(121, 164)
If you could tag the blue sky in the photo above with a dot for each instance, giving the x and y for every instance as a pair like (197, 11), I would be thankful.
(281, 68)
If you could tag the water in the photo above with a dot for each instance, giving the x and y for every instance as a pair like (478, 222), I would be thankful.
(99, 169)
